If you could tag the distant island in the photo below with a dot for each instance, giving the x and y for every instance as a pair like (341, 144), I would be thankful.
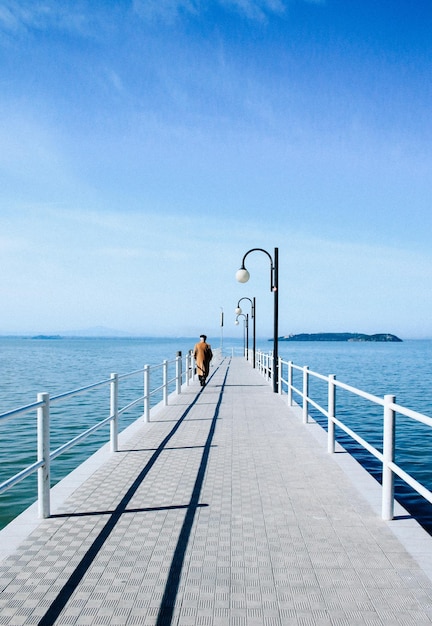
(380, 337)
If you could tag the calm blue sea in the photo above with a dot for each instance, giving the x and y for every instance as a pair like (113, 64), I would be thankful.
(29, 366)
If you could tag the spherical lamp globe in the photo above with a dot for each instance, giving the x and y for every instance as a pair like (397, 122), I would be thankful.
(242, 275)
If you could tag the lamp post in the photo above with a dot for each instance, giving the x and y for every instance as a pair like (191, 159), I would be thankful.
(242, 275)
(221, 327)
(253, 310)
(245, 333)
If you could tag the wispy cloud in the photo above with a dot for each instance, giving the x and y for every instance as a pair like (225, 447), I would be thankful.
(83, 18)
(22, 16)
(165, 10)
(256, 9)
(170, 10)
(16, 16)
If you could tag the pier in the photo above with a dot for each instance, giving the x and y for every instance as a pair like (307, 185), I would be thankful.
(224, 509)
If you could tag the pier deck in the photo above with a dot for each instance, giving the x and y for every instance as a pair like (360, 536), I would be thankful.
(224, 510)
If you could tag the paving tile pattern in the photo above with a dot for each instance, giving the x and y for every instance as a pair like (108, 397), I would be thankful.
(222, 511)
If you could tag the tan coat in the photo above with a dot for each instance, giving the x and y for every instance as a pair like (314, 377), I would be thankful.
(203, 355)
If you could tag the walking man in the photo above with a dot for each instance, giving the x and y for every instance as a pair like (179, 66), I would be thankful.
(202, 355)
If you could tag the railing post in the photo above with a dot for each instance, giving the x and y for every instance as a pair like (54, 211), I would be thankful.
(187, 368)
(178, 372)
(290, 380)
(43, 450)
(331, 407)
(305, 393)
(279, 371)
(114, 412)
(146, 393)
(388, 457)
(165, 382)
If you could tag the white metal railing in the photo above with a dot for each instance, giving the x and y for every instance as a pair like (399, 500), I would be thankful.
(389, 410)
(264, 364)
(184, 372)
(236, 351)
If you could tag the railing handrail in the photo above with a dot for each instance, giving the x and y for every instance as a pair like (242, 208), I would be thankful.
(20, 411)
(391, 408)
(44, 402)
(76, 392)
(415, 415)
(69, 394)
(70, 444)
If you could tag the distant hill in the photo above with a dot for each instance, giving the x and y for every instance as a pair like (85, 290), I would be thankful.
(380, 337)
(95, 331)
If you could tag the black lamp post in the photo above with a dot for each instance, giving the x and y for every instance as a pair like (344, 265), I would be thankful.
(243, 276)
(221, 327)
(238, 311)
(245, 333)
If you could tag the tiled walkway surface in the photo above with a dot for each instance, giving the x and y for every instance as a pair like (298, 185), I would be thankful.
(224, 510)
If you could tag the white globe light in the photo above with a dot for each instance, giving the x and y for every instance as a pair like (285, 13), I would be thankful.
(236, 322)
(242, 275)
(238, 310)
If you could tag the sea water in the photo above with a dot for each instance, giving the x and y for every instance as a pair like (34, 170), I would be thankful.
(29, 366)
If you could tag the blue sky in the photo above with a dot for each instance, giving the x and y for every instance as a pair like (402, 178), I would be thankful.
(146, 145)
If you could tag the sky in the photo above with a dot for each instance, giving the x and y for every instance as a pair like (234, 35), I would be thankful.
(147, 145)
